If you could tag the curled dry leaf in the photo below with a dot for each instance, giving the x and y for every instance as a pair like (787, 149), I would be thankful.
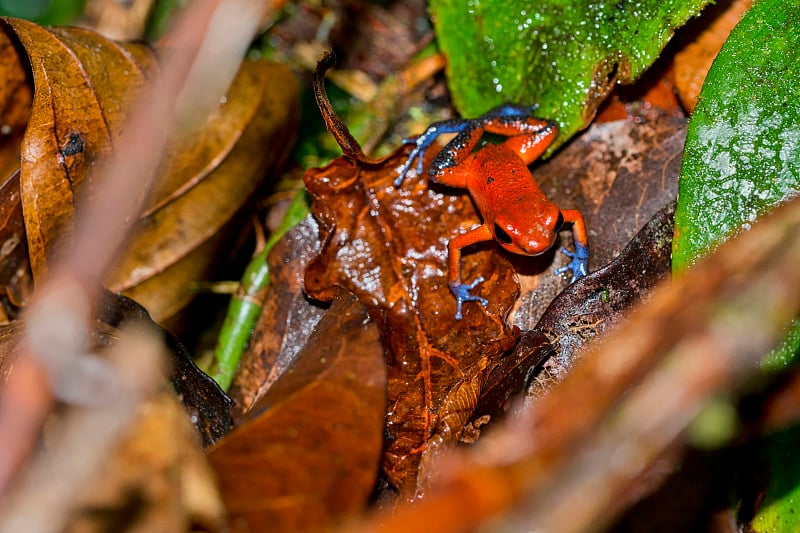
(309, 450)
(286, 320)
(82, 84)
(207, 178)
(389, 247)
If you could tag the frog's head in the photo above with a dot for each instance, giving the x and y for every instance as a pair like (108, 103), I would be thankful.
(531, 232)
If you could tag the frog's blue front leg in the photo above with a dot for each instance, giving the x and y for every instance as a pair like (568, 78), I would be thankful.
(462, 294)
(578, 264)
(423, 142)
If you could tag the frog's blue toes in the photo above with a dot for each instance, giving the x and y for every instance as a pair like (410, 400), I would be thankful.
(417, 153)
(578, 264)
(462, 294)
(421, 144)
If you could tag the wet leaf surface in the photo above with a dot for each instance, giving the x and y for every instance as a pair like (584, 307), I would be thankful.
(208, 407)
(742, 146)
(309, 449)
(286, 320)
(565, 57)
(388, 247)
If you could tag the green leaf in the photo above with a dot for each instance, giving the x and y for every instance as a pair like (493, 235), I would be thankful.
(742, 157)
(779, 511)
(742, 152)
(565, 55)
(45, 12)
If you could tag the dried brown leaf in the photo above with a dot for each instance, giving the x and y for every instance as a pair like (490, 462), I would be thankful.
(309, 450)
(82, 84)
(208, 177)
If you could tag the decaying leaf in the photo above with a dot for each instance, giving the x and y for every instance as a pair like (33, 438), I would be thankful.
(388, 246)
(156, 478)
(82, 84)
(309, 450)
(286, 320)
(208, 406)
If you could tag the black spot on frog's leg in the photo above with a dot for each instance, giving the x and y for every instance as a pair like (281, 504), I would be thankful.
(489, 180)
(74, 145)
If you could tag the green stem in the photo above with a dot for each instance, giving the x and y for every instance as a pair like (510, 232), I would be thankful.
(246, 305)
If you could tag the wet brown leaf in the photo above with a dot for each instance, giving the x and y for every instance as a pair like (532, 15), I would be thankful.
(82, 85)
(309, 450)
(568, 462)
(388, 246)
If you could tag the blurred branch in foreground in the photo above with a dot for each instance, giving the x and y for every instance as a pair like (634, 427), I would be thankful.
(199, 58)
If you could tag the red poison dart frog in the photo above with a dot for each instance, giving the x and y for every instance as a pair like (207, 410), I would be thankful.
(515, 212)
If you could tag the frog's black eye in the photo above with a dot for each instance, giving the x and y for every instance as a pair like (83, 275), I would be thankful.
(501, 235)
(559, 221)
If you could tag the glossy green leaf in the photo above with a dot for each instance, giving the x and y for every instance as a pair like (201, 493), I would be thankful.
(742, 152)
(742, 157)
(564, 55)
